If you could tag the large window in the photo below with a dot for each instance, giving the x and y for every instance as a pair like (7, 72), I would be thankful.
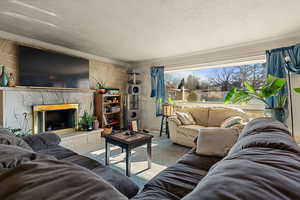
(212, 84)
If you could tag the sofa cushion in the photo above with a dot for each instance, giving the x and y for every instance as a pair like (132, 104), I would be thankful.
(200, 114)
(173, 183)
(231, 121)
(263, 164)
(9, 139)
(179, 179)
(43, 178)
(217, 115)
(42, 140)
(57, 151)
(186, 118)
(216, 141)
(121, 182)
(11, 156)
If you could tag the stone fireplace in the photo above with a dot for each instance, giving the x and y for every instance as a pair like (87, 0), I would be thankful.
(40, 109)
(60, 118)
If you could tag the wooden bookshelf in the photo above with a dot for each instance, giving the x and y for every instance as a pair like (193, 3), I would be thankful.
(108, 109)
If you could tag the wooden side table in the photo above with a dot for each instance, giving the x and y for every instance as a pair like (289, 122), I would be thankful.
(128, 143)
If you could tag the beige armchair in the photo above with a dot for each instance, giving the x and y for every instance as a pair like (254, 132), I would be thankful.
(205, 117)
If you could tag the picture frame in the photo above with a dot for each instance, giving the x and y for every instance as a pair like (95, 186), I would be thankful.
(134, 126)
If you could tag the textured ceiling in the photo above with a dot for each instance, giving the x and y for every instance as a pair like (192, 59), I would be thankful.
(135, 30)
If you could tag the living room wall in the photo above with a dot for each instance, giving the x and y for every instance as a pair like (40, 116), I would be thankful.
(115, 76)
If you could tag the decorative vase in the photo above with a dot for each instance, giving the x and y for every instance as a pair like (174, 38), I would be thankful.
(102, 91)
(89, 127)
(96, 124)
(276, 113)
(4, 79)
(11, 82)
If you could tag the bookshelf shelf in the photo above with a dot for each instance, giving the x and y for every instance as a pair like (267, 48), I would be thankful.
(106, 111)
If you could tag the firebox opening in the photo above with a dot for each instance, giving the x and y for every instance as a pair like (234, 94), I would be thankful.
(59, 119)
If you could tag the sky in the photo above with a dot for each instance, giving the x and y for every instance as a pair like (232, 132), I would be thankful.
(204, 74)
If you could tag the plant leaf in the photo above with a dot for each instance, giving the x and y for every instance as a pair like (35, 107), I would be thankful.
(272, 87)
(240, 96)
(297, 90)
(229, 95)
(249, 87)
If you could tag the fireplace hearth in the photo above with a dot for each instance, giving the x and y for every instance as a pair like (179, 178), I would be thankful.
(62, 118)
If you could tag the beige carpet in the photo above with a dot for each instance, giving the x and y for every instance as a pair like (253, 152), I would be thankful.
(164, 154)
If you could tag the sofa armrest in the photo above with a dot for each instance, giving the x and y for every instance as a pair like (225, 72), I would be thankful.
(175, 120)
(42, 140)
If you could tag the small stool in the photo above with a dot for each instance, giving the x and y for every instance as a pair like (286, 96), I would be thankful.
(164, 121)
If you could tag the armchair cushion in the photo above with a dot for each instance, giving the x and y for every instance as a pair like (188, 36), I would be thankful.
(216, 141)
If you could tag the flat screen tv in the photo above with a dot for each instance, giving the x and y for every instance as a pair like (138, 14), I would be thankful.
(39, 68)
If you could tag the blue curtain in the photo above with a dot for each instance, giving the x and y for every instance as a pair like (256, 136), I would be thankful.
(276, 67)
(293, 53)
(279, 61)
(158, 87)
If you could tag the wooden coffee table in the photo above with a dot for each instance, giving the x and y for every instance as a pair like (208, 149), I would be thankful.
(128, 142)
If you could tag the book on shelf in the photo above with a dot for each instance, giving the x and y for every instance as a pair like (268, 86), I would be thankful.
(104, 120)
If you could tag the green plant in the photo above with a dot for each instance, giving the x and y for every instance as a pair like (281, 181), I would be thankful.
(271, 88)
(281, 100)
(101, 85)
(86, 119)
(171, 101)
(19, 132)
(297, 90)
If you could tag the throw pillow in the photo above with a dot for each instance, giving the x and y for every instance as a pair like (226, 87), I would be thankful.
(186, 118)
(216, 141)
(8, 139)
(231, 121)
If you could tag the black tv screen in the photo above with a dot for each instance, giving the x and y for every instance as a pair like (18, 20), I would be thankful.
(40, 68)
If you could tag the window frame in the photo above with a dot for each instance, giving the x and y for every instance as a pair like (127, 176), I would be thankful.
(259, 106)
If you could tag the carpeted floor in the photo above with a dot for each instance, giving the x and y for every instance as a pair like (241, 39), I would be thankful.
(164, 154)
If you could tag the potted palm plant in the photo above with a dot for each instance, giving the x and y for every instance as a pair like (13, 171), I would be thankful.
(271, 88)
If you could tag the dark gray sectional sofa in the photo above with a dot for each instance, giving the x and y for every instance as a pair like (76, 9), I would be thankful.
(48, 144)
(263, 164)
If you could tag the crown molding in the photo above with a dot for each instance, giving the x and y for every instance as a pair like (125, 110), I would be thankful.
(243, 52)
(54, 47)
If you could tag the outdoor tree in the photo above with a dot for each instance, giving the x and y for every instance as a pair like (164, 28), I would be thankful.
(192, 82)
(224, 79)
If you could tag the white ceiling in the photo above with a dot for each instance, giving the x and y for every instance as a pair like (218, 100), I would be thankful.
(135, 30)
